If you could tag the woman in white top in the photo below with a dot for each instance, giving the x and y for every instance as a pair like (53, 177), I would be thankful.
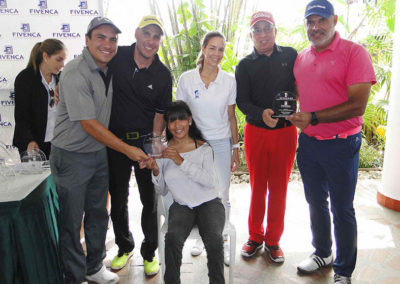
(186, 169)
(211, 96)
(35, 107)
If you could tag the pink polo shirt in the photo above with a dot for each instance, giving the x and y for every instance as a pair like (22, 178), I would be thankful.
(322, 80)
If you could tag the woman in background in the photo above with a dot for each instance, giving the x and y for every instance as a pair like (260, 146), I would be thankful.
(211, 96)
(187, 171)
(35, 106)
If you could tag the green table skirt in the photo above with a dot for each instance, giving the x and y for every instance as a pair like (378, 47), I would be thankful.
(29, 238)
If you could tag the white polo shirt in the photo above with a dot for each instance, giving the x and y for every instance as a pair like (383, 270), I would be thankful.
(209, 106)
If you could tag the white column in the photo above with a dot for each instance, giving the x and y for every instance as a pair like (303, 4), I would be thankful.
(389, 192)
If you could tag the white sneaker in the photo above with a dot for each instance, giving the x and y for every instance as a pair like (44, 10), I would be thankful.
(197, 248)
(227, 254)
(103, 276)
(339, 279)
(313, 263)
(107, 262)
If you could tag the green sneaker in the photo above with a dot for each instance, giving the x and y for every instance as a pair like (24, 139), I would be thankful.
(120, 260)
(151, 268)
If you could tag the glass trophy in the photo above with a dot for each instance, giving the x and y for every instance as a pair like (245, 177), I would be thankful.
(284, 104)
(154, 146)
(32, 162)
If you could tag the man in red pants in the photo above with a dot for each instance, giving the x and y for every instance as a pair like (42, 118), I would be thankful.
(270, 143)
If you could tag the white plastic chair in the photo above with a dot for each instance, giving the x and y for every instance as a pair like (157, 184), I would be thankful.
(163, 204)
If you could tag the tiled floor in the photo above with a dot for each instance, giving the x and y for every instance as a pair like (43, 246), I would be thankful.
(378, 243)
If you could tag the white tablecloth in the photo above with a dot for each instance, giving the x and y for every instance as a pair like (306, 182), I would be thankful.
(15, 188)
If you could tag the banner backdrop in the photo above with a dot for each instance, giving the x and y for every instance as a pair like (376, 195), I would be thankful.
(23, 24)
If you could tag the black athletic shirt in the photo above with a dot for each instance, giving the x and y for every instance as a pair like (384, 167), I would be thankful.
(260, 78)
(138, 93)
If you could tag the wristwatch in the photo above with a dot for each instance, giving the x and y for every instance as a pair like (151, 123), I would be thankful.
(314, 118)
(236, 146)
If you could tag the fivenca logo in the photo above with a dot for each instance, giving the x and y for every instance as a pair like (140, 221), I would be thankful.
(9, 102)
(83, 10)
(3, 80)
(5, 123)
(9, 54)
(26, 32)
(5, 10)
(43, 9)
(66, 32)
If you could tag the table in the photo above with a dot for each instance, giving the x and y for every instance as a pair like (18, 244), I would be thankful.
(28, 230)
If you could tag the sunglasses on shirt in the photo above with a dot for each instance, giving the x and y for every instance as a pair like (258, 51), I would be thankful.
(52, 102)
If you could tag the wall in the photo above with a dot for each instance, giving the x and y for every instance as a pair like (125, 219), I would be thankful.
(26, 22)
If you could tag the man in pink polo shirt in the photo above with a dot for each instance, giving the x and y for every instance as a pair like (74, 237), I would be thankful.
(334, 77)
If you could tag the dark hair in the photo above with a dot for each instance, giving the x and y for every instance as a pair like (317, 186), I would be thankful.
(89, 34)
(50, 46)
(180, 110)
(204, 43)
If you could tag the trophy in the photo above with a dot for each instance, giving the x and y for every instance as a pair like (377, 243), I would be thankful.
(284, 104)
(154, 145)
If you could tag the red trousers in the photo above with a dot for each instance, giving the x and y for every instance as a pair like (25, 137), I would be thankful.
(269, 156)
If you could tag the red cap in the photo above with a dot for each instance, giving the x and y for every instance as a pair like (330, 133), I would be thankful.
(262, 16)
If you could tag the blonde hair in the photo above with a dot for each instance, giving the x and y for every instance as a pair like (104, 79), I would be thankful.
(50, 46)
(204, 43)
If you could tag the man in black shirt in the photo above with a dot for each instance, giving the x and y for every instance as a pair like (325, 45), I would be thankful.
(270, 143)
(142, 91)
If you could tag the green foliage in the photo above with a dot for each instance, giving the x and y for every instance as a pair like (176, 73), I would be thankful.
(375, 115)
(241, 121)
(388, 7)
(343, 21)
(379, 44)
(295, 37)
(370, 157)
(191, 19)
(230, 60)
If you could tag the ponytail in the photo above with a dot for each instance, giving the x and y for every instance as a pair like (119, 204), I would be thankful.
(50, 46)
(200, 59)
(36, 57)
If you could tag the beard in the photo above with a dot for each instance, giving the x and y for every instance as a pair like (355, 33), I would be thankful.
(323, 40)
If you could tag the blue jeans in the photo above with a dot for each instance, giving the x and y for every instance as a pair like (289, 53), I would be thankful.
(329, 168)
(222, 149)
(210, 219)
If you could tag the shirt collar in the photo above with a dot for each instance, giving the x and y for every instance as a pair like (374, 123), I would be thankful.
(218, 80)
(89, 60)
(153, 65)
(255, 54)
(51, 85)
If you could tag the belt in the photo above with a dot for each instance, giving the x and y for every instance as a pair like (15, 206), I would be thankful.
(133, 135)
(342, 135)
(285, 124)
